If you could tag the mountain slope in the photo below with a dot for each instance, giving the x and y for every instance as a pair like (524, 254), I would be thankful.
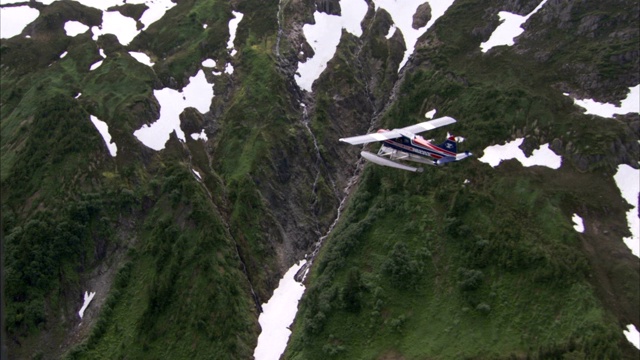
(183, 244)
(468, 261)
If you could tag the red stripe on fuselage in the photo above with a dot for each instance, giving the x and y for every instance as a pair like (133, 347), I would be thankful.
(441, 150)
(436, 154)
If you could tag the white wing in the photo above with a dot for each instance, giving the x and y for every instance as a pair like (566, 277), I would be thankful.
(413, 129)
(430, 125)
(363, 139)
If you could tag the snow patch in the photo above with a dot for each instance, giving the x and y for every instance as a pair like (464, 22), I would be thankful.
(278, 314)
(198, 94)
(74, 28)
(95, 65)
(632, 335)
(228, 69)
(392, 30)
(155, 12)
(578, 224)
(103, 129)
(13, 20)
(510, 28)
(430, 114)
(141, 57)
(628, 181)
(202, 135)
(233, 27)
(353, 13)
(124, 28)
(543, 156)
(87, 299)
(209, 63)
(630, 104)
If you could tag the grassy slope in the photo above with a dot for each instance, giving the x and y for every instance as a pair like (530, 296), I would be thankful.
(182, 264)
(182, 293)
(424, 267)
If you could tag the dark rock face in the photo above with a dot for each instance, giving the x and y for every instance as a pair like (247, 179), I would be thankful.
(605, 80)
(133, 11)
(330, 7)
(345, 98)
(191, 121)
(422, 16)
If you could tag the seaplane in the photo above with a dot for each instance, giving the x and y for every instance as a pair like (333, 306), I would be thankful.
(405, 145)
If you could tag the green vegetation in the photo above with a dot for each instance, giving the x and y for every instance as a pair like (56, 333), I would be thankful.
(480, 271)
(70, 209)
(422, 266)
(419, 266)
(179, 295)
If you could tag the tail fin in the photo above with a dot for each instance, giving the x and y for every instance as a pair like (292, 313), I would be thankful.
(450, 144)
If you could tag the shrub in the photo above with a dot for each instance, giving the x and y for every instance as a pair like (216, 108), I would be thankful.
(483, 308)
(351, 293)
(469, 279)
(403, 269)
(333, 349)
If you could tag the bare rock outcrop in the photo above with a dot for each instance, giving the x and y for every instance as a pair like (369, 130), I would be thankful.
(422, 16)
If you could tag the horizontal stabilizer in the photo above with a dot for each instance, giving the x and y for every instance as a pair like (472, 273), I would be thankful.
(458, 157)
(386, 162)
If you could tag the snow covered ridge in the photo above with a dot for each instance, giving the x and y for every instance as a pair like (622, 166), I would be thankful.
(13, 20)
(324, 35)
(402, 14)
(198, 94)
